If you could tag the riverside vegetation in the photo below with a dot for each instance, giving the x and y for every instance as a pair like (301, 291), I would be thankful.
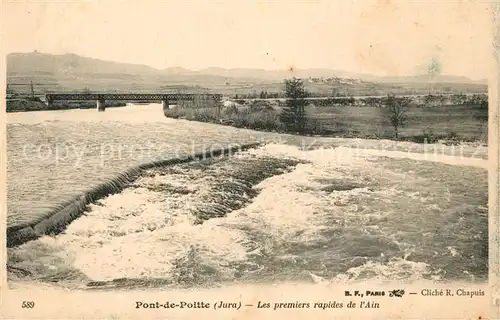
(431, 118)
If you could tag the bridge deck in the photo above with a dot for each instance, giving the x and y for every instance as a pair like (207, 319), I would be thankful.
(130, 96)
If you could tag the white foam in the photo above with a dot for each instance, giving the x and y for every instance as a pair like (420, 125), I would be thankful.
(142, 233)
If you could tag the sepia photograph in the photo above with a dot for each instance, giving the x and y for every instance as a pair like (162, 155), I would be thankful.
(186, 146)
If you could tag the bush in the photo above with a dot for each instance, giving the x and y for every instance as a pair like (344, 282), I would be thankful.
(459, 99)
(426, 137)
(259, 105)
(450, 138)
(205, 114)
(478, 99)
(228, 111)
(264, 119)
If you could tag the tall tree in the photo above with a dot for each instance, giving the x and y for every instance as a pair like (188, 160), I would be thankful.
(293, 114)
(395, 112)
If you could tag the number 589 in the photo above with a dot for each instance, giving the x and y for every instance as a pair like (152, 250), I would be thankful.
(28, 304)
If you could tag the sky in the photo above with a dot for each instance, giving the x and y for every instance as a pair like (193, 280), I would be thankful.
(386, 38)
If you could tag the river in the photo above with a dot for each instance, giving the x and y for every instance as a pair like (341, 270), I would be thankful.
(271, 214)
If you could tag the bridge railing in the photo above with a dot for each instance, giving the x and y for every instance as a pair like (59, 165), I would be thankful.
(131, 96)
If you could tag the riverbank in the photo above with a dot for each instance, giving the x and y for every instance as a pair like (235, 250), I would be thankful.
(25, 105)
(431, 120)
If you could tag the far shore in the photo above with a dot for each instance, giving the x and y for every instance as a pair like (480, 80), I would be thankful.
(35, 104)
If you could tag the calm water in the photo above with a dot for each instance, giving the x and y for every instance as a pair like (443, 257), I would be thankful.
(131, 113)
(275, 214)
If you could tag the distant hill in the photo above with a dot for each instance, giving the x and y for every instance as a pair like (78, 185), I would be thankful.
(72, 64)
(42, 63)
(74, 72)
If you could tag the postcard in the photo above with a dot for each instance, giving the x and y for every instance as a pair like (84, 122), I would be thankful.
(250, 159)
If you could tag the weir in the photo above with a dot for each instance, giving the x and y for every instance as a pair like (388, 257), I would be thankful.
(54, 220)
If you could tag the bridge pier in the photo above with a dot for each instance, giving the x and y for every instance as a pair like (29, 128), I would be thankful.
(101, 105)
(50, 104)
(165, 104)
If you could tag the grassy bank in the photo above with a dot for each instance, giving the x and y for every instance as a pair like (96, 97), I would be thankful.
(431, 118)
(35, 104)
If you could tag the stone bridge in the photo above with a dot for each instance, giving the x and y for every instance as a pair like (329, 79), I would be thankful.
(102, 97)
